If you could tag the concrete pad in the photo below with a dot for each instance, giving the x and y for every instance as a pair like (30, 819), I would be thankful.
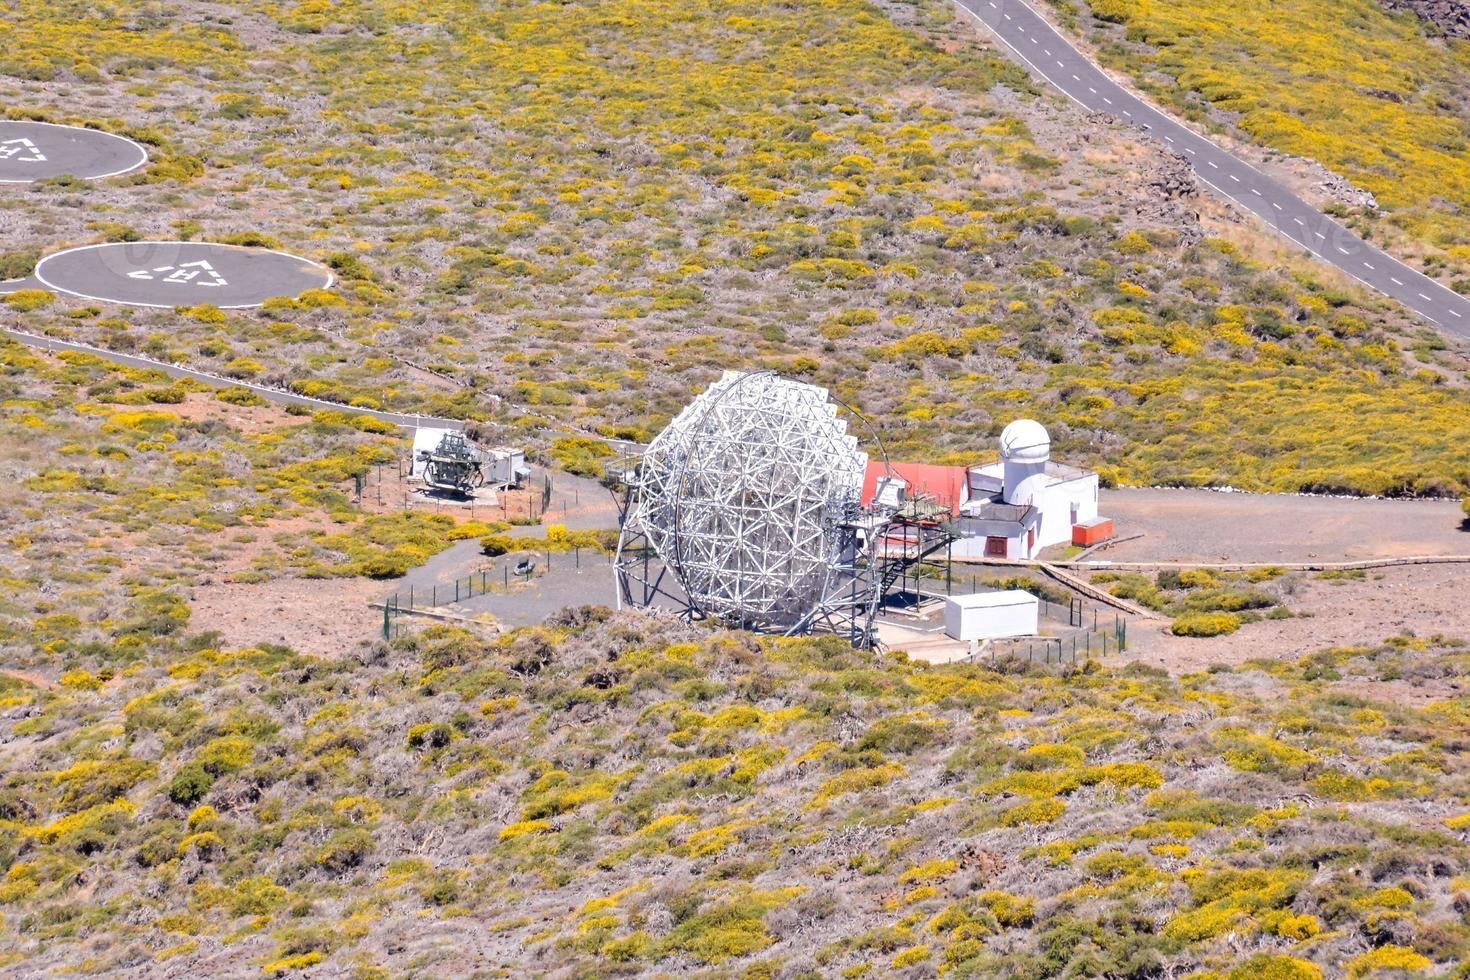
(168, 274)
(31, 151)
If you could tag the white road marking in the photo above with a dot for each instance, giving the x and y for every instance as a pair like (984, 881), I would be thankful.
(1107, 100)
(1343, 250)
(1169, 138)
(185, 272)
(1422, 296)
(1457, 313)
(1076, 79)
(1368, 264)
(1273, 204)
(1300, 222)
(1213, 164)
(1092, 90)
(1395, 280)
(1190, 149)
(1235, 178)
(11, 150)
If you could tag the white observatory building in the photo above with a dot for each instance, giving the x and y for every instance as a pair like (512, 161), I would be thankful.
(1025, 502)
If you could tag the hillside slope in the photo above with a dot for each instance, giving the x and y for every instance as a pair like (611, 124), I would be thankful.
(1376, 96)
(589, 210)
(618, 796)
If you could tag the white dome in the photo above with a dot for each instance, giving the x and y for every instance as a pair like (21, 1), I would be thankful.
(1025, 441)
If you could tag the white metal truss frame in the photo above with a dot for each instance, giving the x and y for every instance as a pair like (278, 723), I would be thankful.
(746, 509)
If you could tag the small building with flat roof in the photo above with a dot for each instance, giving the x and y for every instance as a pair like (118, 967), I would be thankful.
(991, 615)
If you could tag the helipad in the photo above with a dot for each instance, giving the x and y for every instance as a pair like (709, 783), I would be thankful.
(34, 151)
(166, 274)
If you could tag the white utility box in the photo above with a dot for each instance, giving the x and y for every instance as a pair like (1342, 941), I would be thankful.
(991, 615)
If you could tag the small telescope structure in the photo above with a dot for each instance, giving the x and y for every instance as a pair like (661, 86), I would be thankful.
(452, 465)
(747, 509)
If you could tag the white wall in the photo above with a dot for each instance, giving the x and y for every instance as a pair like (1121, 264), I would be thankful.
(1056, 503)
(1019, 616)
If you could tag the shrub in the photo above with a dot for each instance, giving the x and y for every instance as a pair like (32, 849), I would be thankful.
(1205, 624)
(18, 265)
(28, 300)
(345, 849)
(582, 455)
(1269, 966)
(189, 784)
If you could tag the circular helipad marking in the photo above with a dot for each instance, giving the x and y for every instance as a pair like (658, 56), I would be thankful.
(36, 150)
(166, 274)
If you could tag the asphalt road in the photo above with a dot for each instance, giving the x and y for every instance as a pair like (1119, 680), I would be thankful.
(1038, 46)
(31, 151)
(169, 274)
(275, 395)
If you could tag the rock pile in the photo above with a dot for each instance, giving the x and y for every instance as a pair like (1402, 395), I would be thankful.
(1450, 16)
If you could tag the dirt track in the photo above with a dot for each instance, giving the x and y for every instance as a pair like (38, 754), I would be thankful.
(1422, 599)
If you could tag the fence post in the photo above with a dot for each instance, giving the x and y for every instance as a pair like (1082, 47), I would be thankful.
(506, 568)
(456, 590)
(434, 595)
(410, 597)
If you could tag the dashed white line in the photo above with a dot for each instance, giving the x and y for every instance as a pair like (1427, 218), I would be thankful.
(1107, 100)
(1395, 280)
(1235, 178)
(1300, 222)
(1190, 149)
(1213, 164)
(1369, 264)
(1092, 90)
(1321, 236)
(1273, 204)
(1457, 313)
(1422, 296)
(1343, 250)
(1076, 79)
(1169, 138)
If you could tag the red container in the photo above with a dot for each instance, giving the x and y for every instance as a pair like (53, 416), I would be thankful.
(1092, 532)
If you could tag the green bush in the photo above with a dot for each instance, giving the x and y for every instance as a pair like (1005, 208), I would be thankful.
(345, 849)
(1206, 624)
(189, 784)
(582, 455)
(18, 265)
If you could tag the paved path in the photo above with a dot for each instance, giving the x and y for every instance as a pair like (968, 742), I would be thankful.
(275, 395)
(1048, 55)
